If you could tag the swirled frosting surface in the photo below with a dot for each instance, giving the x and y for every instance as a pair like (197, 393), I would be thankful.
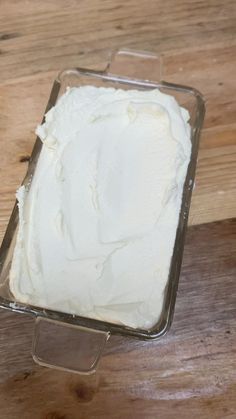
(98, 222)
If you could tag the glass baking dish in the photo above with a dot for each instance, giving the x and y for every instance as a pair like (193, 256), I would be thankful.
(75, 343)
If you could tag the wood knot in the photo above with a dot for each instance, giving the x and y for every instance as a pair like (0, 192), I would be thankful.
(83, 392)
(6, 36)
(23, 376)
(54, 415)
(23, 159)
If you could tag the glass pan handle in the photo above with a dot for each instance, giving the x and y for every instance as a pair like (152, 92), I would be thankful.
(136, 65)
(67, 347)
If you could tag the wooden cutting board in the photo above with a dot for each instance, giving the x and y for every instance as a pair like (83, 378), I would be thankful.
(191, 371)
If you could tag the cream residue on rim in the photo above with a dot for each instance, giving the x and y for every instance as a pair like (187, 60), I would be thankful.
(98, 223)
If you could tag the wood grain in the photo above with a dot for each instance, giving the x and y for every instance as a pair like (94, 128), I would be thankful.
(191, 371)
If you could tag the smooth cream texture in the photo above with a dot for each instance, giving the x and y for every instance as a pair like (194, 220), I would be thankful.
(98, 223)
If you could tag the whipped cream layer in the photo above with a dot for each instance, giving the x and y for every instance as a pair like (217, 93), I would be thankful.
(98, 222)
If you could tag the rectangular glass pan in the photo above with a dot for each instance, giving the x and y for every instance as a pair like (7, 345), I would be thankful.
(126, 70)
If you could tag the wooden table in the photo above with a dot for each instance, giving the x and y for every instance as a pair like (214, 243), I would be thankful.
(192, 371)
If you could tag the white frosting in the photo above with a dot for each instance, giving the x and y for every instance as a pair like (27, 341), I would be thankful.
(98, 224)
